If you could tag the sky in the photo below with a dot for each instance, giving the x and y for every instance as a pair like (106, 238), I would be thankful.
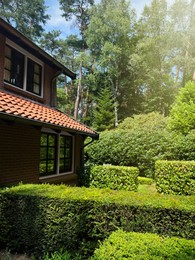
(57, 22)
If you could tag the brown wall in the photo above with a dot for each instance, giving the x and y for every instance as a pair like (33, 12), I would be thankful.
(2, 50)
(19, 153)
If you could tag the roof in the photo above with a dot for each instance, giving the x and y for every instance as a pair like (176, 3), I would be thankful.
(18, 108)
(23, 41)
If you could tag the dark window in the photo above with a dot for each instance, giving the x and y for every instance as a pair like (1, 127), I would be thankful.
(14, 67)
(34, 76)
(65, 154)
(48, 154)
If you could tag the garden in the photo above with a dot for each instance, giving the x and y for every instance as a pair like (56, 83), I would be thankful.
(135, 200)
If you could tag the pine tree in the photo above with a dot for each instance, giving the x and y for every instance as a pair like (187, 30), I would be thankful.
(104, 112)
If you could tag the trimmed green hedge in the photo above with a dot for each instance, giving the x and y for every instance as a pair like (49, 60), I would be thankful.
(145, 181)
(46, 218)
(114, 177)
(122, 245)
(175, 177)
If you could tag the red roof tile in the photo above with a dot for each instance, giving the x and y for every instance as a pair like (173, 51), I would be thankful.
(27, 109)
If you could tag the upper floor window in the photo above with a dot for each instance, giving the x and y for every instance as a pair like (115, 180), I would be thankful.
(14, 67)
(22, 70)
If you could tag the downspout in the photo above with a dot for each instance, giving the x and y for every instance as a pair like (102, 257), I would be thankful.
(51, 87)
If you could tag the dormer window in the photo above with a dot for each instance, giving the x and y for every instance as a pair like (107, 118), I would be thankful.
(22, 70)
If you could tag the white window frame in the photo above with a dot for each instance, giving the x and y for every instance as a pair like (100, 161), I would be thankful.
(26, 56)
(62, 133)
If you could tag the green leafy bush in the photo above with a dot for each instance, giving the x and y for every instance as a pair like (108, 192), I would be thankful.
(122, 245)
(45, 218)
(175, 177)
(145, 181)
(114, 177)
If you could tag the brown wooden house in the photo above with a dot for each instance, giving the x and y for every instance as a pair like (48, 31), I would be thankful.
(38, 143)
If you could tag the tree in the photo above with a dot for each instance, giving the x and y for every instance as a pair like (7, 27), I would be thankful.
(153, 57)
(112, 21)
(26, 16)
(78, 9)
(182, 116)
(104, 111)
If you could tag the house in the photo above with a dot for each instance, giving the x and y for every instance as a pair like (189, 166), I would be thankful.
(38, 143)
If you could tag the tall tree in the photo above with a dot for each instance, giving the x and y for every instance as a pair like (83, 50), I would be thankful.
(26, 16)
(154, 57)
(78, 9)
(183, 38)
(112, 21)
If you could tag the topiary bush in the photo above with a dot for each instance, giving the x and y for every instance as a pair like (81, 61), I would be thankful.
(175, 177)
(123, 245)
(114, 177)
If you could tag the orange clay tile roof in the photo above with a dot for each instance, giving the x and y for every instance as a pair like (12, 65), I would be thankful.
(26, 109)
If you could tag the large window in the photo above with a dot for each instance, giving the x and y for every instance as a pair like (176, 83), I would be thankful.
(22, 70)
(56, 154)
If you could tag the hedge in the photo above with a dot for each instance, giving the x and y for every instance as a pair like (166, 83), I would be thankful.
(145, 180)
(175, 177)
(114, 177)
(123, 245)
(45, 218)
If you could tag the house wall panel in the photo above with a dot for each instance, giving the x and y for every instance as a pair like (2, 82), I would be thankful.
(2, 53)
(19, 153)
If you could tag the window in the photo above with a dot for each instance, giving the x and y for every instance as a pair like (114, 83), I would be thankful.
(65, 153)
(56, 154)
(22, 70)
(34, 72)
(14, 67)
(48, 154)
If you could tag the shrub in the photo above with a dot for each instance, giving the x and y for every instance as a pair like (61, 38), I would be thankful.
(138, 142)
(114, 177)
(145, 181)
(46, 218)
(122, 245)
(175, 177)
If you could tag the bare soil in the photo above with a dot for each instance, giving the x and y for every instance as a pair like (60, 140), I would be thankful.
(5, 255)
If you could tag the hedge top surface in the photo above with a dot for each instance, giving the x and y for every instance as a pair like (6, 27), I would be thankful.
(107, 196)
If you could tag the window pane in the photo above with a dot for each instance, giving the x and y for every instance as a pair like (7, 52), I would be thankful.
(43, 153)
(51, 140)
(43, 167)
(51, 153)
(68, 153)
(51, 166)
(62, 141)
(62, 152)
(61, 165)
(67, 165)
(43, 139)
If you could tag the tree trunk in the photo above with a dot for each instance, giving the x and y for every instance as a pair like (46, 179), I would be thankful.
(79, 90)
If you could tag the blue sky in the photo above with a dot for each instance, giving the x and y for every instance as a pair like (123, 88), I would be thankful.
(57, 22)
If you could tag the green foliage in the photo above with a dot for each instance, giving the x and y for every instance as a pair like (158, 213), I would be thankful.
(114, 177)
(26, 16)
(123, 245)
(182, 117)
(137, 141)
(104, 111)
(45, 218)
(145, 181)
(175, 177)
(61, 255)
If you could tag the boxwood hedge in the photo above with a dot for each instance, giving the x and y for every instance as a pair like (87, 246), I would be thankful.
(123, 245)
(45, 218)
(114, 177)
(175, 177)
